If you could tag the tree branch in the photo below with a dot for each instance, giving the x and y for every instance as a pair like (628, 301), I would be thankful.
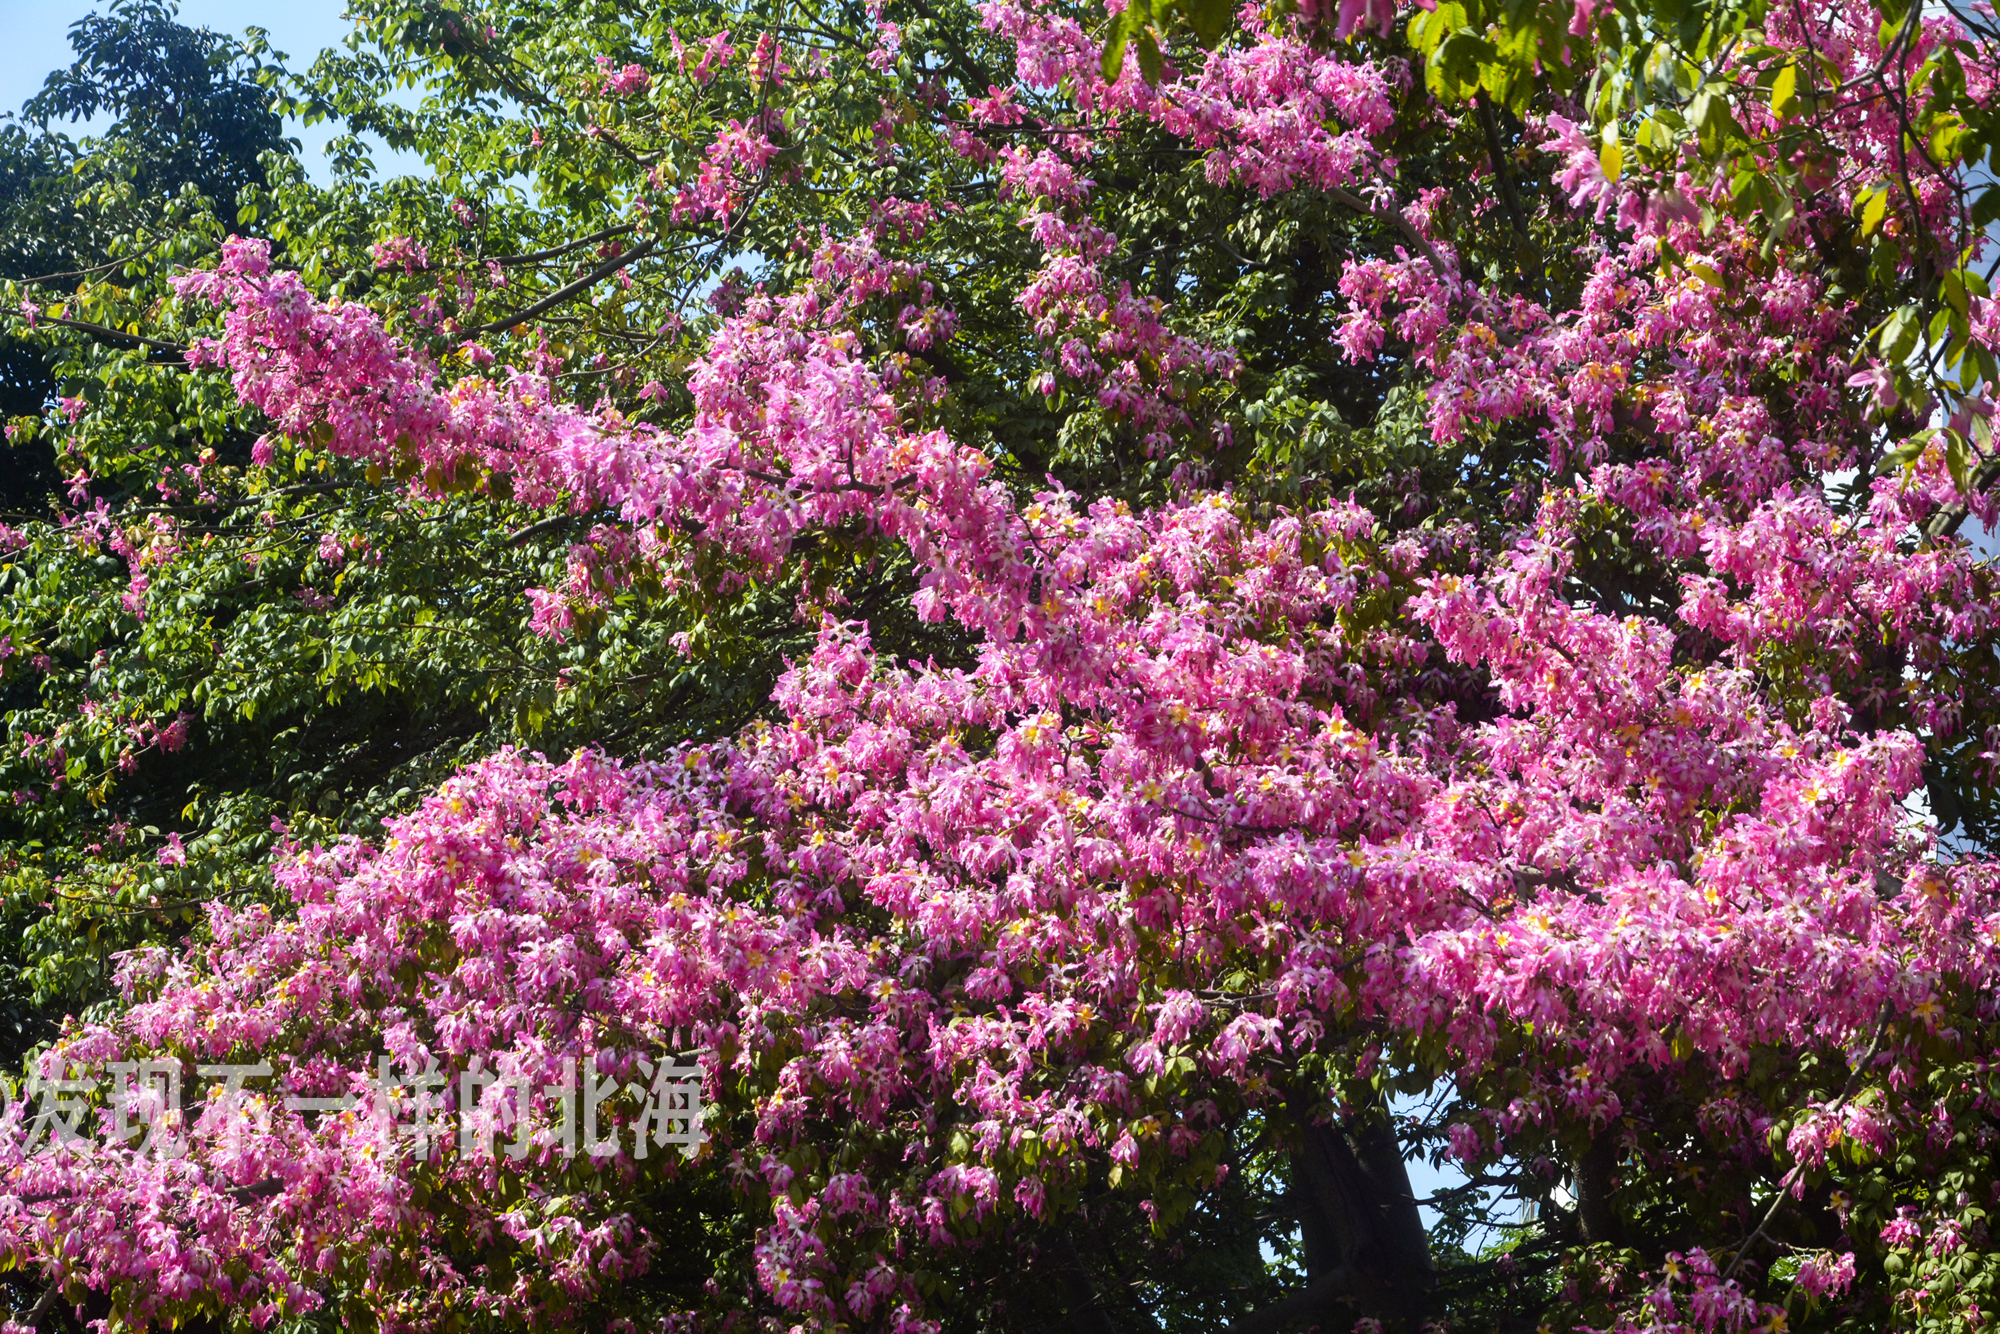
(1950, 517)
(1394, 217)
(1315, 1296)
(301, 488)
(95, 268)
(1508, 200)
(539, 526)
(568, 290)
(1086, 1306)
(106, 331)
(556, 252)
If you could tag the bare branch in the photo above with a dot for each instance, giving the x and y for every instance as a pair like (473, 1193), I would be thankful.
(1489, 122)
(95, 268)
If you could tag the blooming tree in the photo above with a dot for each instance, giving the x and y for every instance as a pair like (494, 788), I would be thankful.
(1427, 551)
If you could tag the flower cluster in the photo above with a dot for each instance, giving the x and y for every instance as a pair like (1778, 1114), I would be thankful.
(1180, 818)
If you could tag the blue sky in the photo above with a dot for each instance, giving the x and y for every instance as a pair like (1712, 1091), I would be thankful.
(38, 41)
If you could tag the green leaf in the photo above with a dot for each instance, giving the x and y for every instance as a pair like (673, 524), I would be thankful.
(1714, 125)
(1113, 60)
(1947, 135)
(1455, 64)
(1899, 334)
(1906, 454)
(1210, 20)
(1956, 458)
(1986, 207)
(1701, 109)
(1151, 62)
(1952, 288)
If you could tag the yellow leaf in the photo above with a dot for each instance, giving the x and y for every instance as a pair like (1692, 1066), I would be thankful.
(1874, 205)
(1785, 92)
(1612, 156)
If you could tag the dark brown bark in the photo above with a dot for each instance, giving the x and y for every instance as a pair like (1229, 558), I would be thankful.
(1497, 153)
(1364, 1243)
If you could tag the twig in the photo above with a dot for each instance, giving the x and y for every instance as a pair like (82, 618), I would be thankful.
(298, 489)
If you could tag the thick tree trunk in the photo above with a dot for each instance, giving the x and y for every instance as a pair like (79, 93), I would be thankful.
(1594, 1211)
(1086, 1308)
(1364, 1243)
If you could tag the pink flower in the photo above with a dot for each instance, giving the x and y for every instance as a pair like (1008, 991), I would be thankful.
(625, 82)
(1583, 170)
(1826, 1274)
(888, 43)
(1360, 15)
(1179, 1014)
(716, 53)
(552, 617)
(1585, 15)
(400, 252)
(1902, 1230)
(1878, 382)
